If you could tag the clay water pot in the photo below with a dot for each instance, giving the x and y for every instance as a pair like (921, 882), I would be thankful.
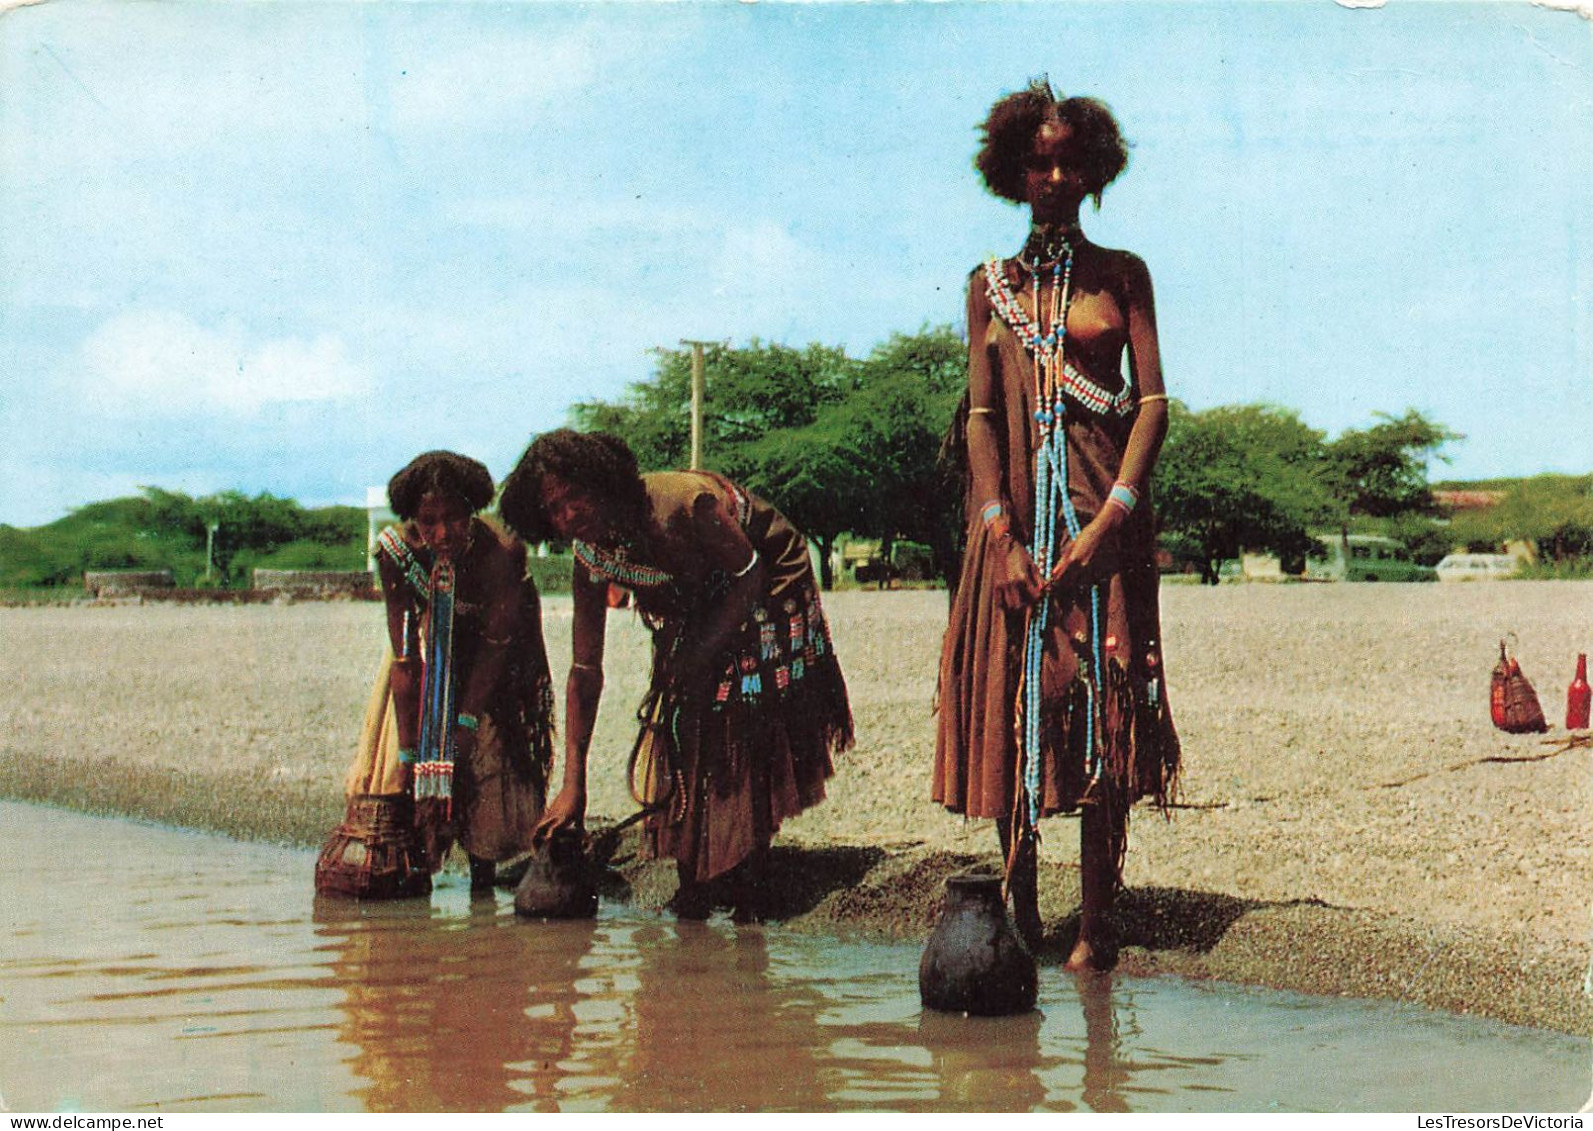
(560, 882)
(975, 961)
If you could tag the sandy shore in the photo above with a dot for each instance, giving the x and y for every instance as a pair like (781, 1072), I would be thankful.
(1349, 823)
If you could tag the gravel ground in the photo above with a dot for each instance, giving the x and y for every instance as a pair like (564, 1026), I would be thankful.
(1349, 821)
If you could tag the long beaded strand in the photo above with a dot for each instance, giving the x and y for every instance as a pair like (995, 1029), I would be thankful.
(1051, 481)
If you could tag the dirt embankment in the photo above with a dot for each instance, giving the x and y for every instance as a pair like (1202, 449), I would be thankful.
(1349, 821)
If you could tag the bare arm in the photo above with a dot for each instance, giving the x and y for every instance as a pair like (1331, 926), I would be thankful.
(501, 587)
(1148, 431)
(583, 690)
(1145, 366)
(500, 574)
(1018, 585)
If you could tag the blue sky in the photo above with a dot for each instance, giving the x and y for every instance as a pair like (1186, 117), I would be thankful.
(284, 247)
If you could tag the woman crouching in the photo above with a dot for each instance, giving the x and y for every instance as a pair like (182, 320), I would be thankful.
(461, 716)
(746, 704)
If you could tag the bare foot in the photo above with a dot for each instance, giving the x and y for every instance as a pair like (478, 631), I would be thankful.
(1082, 958)
(1089, 954)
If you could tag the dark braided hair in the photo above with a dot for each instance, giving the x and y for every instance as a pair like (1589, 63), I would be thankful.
(599, 462)
(1007, 137)
(443, 473)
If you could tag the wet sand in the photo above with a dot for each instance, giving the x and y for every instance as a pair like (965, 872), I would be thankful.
(1349, 821)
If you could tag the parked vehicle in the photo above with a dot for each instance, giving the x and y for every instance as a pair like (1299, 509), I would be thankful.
(1365, 557)
(1477, 567)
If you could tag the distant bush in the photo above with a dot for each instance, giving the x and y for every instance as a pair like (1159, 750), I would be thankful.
(305, 554)
(1571, 569)
(169, 530)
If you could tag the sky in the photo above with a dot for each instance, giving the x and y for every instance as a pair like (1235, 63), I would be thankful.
(285, 247)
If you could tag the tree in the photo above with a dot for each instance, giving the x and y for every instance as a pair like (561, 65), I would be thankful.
(813, 476)
(1553, 511)
(909, 390)
(1240, 477)
(750, 392)
(866, 465)
(1381, 471)
(838, 445)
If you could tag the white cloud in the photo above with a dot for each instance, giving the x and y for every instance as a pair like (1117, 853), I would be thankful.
(761, 251)
(487, 81)
(166, 361)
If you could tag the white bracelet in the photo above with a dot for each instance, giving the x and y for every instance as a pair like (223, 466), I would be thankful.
(746, 569)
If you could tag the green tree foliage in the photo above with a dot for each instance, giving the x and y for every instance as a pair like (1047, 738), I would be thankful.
(749, 393)
(911, 388)
(839, 445)
(1381, 471)
(1240, 477)
(1553, 511)
(812, 475)
(161, 529)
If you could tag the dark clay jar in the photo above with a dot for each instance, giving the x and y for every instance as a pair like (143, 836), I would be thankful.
(975, 961)
(560, 882)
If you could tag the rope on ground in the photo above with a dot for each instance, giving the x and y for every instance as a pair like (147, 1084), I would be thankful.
(1578, 741)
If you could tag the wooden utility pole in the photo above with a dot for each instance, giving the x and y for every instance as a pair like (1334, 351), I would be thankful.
(210, 547)
(696, 400)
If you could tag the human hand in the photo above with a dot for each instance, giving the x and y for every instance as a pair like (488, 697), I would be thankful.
(566, 811)
(1018, 584)
(1074, 564)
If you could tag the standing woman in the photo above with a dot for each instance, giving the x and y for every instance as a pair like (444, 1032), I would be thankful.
(462, 713)
(746, 703)
(1052, 697)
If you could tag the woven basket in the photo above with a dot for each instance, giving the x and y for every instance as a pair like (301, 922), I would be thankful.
(374, 853)
(1512, 701)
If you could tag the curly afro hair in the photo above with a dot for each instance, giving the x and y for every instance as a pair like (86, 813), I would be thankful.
(443, 473)
(1007, 137)
(597, 461)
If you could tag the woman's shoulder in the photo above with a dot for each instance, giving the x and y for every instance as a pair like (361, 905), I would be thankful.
(979, 277)
(1121, 262)
(399, 541)
(665, 488)
(680, 500)
(496, 534)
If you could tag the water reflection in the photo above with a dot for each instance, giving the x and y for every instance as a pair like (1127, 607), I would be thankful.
(450, 1013)
(482, 1013)
(205, 980)
(1105, 1071)
(987, 1063)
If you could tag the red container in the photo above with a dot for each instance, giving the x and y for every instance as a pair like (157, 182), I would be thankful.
(1577, 697)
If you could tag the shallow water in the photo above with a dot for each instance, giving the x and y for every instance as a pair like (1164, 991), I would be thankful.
(149, 969)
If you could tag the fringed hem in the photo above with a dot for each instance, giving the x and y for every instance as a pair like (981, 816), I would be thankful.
(745, 768)
(1112, 754)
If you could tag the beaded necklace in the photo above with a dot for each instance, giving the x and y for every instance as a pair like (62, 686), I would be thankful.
(391, 543)
(615, 565)
(1048, 348)
(1039, 343)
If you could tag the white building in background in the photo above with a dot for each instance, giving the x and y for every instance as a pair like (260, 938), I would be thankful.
(378, 515)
